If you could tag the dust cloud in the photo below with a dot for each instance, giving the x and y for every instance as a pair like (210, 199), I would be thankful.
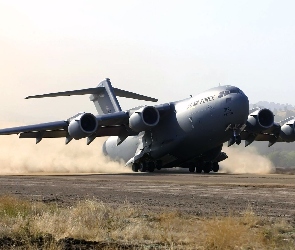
(243, 160)
(52, 156)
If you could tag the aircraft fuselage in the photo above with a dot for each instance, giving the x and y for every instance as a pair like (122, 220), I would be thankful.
(196, 126)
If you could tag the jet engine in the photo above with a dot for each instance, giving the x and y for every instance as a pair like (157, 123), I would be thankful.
(82, 125)
(144, 118)
(288, 131)
(260, 120)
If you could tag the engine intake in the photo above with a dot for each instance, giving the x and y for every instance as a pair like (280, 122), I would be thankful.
(260, 120)
(288, 131)
(144, 119)
(82, 125)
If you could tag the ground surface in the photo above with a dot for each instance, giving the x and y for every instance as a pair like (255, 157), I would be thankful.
(199, 194)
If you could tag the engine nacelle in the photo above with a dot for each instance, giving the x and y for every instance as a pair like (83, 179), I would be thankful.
(144, 119)
(260, 120)
(82, 125)
(288, 131)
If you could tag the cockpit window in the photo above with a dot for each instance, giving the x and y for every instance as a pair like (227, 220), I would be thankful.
(234, 91)
(223, 93)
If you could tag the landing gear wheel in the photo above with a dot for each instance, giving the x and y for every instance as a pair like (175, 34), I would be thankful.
(191, 169)
(142, 167)
(151, 166)
(198, 170)
(135, 167)
(215, 167)
(200, 167)
(207, 167)
(158, 165)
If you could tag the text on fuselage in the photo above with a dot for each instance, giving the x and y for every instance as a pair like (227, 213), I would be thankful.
(201, 101)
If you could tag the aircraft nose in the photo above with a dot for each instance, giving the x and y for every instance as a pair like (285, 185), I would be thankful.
(240, 107)
(245, 102)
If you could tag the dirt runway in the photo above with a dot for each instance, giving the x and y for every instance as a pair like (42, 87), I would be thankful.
(199, 194)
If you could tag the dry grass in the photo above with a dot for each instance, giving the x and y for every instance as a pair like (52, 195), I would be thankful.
(32, 225)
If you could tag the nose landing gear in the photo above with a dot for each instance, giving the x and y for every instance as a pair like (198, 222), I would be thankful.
(236, 137)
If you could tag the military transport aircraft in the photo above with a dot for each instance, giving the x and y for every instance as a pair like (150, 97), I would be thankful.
(189, 133)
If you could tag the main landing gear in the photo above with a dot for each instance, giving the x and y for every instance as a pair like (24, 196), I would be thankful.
(205, 167)
(149, 166)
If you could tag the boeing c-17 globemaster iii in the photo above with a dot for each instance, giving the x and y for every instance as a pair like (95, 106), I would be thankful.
(189, 133)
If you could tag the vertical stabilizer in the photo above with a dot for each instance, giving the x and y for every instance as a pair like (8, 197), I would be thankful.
(106, 101)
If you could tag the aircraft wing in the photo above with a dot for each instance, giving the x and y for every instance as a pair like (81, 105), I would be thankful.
(271, 135)
(260, 126)
(84, 125)
(107, 125)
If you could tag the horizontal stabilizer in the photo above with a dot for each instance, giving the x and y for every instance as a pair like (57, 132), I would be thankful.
(127, 94)
(97, 91)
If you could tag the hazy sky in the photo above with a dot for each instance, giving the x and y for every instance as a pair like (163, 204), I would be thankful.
(165, 49)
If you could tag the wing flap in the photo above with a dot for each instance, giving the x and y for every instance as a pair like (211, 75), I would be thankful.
(102, 131)
(45, 134)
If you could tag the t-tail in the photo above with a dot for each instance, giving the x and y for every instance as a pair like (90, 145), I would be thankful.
(104, 96)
